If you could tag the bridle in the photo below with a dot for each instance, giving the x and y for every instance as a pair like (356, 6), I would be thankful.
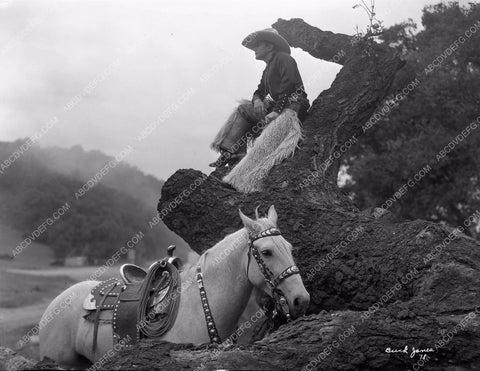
(281, 304)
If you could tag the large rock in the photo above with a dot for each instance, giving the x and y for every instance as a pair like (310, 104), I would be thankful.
(341, 340)
(11, 361)
(400, 283)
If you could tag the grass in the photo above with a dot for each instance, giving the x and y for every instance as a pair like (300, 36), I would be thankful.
(28, 283)
(19, 290)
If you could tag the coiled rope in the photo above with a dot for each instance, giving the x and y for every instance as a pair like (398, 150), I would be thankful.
(152, 323)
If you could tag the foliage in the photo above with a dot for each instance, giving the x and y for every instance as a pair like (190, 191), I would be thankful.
(375, 25)
(425, 120)
(83, 165)
(97, 224)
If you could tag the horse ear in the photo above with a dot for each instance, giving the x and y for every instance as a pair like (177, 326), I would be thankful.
(272, 215)
(250, 224)
(256, 212)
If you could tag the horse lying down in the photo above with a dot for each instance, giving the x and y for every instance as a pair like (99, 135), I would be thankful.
(208, 309)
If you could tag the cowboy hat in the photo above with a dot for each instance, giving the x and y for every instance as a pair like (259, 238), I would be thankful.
(270, 35)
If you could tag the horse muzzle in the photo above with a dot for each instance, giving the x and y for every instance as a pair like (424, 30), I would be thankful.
(292, 306)
(299, 305)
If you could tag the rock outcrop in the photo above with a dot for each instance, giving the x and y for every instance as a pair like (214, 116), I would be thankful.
(375, 283)
(11, 361)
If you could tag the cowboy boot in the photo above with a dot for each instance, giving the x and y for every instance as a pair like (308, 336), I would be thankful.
(235, 158)
(222, 160)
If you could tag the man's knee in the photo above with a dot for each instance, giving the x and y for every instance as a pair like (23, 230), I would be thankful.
(246, 105)
(246, 109)
(247, 112)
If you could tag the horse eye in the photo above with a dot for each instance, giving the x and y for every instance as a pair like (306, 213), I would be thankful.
(267, 252)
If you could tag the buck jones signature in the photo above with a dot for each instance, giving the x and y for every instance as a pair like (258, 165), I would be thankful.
(413, 352)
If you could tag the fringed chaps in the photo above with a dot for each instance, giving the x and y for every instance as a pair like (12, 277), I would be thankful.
(226, 128)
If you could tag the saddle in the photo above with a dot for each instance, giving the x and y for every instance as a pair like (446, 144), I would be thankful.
(132, 273)
(141, 304)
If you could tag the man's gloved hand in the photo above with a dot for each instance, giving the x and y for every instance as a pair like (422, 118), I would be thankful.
(258, 107)
(271, 116)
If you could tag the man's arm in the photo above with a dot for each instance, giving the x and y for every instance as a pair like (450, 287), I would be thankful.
(290, 79)
(260, 92)
(258, 96)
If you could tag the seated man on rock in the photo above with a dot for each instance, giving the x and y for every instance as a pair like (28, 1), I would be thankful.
(280, 88)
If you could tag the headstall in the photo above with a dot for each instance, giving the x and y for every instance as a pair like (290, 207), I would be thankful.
(272, 281)
(281, 304)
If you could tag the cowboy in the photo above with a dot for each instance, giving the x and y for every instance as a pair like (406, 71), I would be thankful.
(280, 87)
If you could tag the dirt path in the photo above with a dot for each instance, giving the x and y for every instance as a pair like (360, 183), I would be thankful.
(27, 293)
(16, 322)
(13, 318)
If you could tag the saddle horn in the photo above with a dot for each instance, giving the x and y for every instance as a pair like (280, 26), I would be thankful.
(173, 259)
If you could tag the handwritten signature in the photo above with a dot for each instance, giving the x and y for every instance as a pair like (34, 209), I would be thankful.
(414, 351)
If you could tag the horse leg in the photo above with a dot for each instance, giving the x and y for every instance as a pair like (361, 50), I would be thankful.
(59, 326)
(251, 319)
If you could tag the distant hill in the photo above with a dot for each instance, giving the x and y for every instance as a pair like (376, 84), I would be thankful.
(97, 224)
(83, 165)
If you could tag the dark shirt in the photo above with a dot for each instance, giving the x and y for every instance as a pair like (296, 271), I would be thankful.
(281, 79)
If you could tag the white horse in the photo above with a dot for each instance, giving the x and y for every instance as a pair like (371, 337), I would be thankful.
(231, 269)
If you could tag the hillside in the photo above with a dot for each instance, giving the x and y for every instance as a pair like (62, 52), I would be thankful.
(83, 165)
(96, 224)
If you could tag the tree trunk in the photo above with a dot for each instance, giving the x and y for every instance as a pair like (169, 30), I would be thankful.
(339, 341)
(350, 259)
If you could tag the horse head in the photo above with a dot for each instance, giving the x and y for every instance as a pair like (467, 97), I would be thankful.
(270, 265)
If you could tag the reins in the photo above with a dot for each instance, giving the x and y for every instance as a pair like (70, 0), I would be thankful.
(272, 281)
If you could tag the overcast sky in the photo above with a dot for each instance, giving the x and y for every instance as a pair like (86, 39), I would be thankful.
(127, 63)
